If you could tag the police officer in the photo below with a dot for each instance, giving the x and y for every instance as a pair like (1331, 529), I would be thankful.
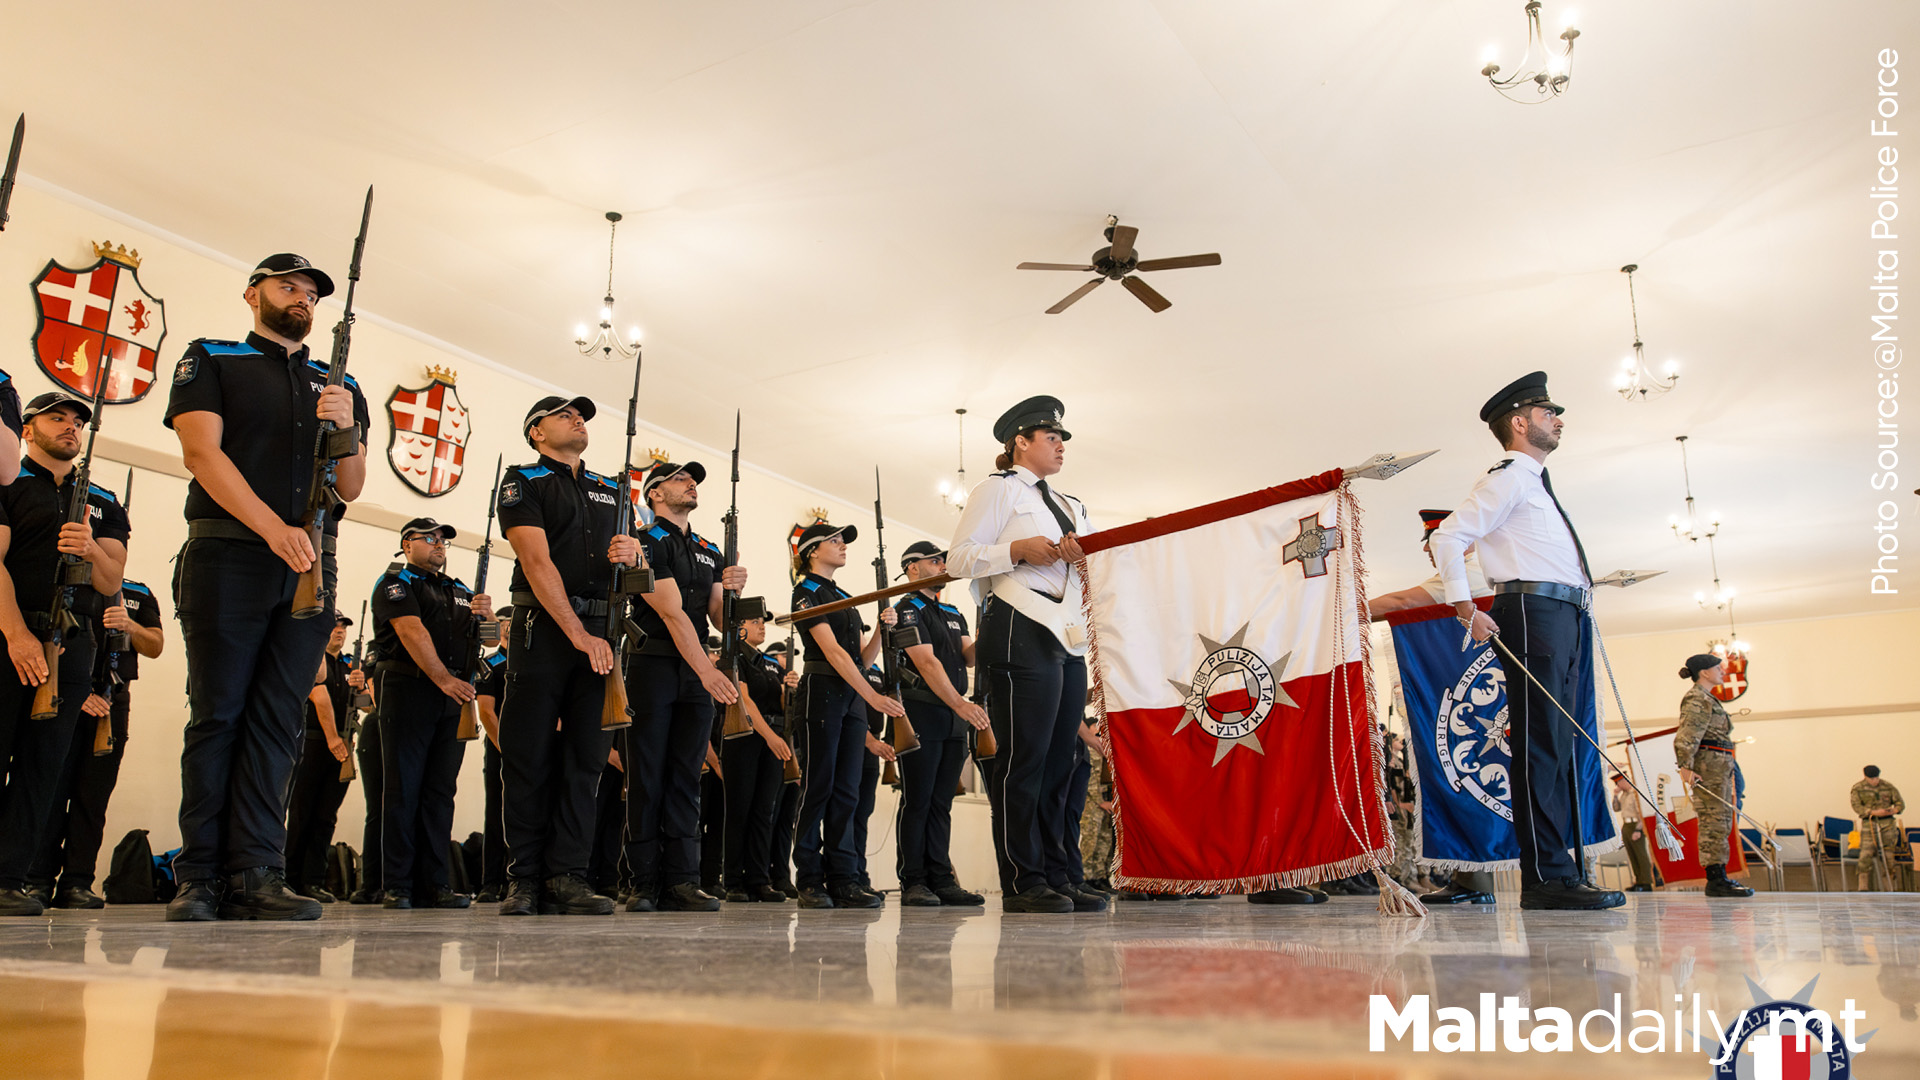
(935, 694)
(71, 849)
(673, 684)
(1538, 572)
(832, 699)
(1703, 749)
(247, 414)
(491, 690)
(563, 521)
(879, 749)
(34, 534)
(420, 625)
(313, 808)
(753, 767)
(1018, 539)
(787, 809)
(10, 424)
(1875, 802)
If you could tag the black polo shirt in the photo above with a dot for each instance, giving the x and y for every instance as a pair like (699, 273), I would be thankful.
(124, 667)
(941, 626)
(265, 399)
(579, 513)
(338, 693)
(10, 404)
(763, 675)
(493, 677)
(692, 561)
(442, 604)
(34, 510)
(814, 590)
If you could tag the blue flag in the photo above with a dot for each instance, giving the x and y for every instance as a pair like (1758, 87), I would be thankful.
(1457, 713)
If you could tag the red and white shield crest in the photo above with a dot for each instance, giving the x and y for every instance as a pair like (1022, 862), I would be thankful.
(430, 429)
(102, 309)
(636, 487)
(1735, 683)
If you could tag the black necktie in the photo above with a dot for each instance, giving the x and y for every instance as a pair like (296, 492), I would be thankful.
(1547, 483)
(1059, 515)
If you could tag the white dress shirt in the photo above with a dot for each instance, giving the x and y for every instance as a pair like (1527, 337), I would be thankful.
(1519, 533)
(1003, 508)
(1476, 581)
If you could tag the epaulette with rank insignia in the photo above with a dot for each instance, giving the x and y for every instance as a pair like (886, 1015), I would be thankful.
(1500, 466)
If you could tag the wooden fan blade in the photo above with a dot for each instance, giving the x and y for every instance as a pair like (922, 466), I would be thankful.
(1075, 295)
(1146, 294)
(1123, 237)
(1052, 266)
(1179, 262)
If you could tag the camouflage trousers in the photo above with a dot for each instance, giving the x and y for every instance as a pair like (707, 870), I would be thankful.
(1096, 831)
(1879, 841)
(1715, 814)
(1403, 869)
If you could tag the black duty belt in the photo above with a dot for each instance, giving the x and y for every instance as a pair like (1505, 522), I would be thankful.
(914, 693)
(1712, 744)
(222, 529)
(399, 667)
(1552, 590)
(818, 667)
(583, 607)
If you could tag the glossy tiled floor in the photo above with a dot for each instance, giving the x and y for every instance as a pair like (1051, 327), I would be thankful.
(1195, 988)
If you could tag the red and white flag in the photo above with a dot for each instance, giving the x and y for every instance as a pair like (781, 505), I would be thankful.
(1677, 857)
(1229, 652)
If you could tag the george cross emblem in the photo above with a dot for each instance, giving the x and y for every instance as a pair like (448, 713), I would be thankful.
(1311, 548)
(1232, 693)
(430, 431)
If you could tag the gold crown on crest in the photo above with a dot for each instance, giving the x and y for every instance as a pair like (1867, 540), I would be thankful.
(440, 374)
(656, 456)
(818, 513)
(105, 250)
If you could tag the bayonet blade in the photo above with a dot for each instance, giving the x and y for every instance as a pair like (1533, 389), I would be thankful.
(13, 168)
(1620, 579)
(1385, 466)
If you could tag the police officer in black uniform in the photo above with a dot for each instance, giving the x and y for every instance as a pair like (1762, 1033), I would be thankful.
(832, 699)
(787, 808)
(935, 693)
(879, 749)
(34, 533)
(420, 624)
(563, 521)
(129, 628)
(313, 808)
(491, 691)
(247, 414)
(9, 429)
(673, 686)
(753, 768)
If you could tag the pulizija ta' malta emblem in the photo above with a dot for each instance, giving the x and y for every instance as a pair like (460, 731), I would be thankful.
(1232, 694)
(102, 308)
(430, 429)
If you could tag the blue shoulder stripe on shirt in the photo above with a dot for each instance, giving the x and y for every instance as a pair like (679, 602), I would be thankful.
(534, 472)
(407, 575)
(657, 532)
(136, 587)
(96, 489)
(596, 476)
(944, 606)
(216, 347)
(325, 370)
(810, 586)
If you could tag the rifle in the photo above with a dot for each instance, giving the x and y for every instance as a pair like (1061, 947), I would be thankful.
(622, 634)
(905, 740)
(736, 609)
(480, 632)
(789, 769)
(350, 724)
(115, 643)
(311, 596)
(13, 168)
(72, 572)
(984, 746)
(845, 602)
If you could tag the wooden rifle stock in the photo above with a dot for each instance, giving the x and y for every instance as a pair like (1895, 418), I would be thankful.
(790, 768)
(469, 728)
(306, 593)
(905, 739)
(811, 613)
(890, 775)
(984, 748)
(737, 723)
(103, 736)
(346, 767)
(614, 711)
(46, 696)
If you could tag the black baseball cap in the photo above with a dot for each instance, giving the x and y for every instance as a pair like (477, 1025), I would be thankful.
(551, 404)
(667, 470)
(342, 620)
(1526, 391)
(288, 263)
(819, 531)
(1035, 412)
(422, 525)
(921, 549)
(54, 399)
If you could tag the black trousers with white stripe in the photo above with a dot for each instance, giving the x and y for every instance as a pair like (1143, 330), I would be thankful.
(1036, 694)
(1546, 635)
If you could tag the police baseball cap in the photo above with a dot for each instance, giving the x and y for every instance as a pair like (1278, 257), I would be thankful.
(1035, 412)
(778, 648)
(819, 531)
(551, 404)
(54, 399)
(288, 263)
(921, 549)
(667, 470)
(504, 614)
(342, 620)
(421, 526)
(1524, 392)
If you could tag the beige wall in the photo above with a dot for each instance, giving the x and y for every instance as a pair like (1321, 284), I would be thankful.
(202, 294)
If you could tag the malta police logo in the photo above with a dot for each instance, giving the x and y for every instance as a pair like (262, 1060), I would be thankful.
(510, 493)
(85, 315)
(1470, 735)
(1775, 1040)
(428, 446)
(1232, 693)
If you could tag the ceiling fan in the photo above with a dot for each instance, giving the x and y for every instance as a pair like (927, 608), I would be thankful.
(1120, 262)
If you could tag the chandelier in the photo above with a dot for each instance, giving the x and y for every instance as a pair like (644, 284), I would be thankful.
(1541, 79)
(954, 492)
(1636, 381)
(1691, 531)
(605, 344)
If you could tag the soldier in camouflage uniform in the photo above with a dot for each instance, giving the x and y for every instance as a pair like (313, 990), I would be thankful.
(1703, 748)
(1096, 829)
(1875, 802)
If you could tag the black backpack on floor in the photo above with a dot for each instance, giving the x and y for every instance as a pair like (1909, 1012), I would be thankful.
(343, 870)
(130, 875)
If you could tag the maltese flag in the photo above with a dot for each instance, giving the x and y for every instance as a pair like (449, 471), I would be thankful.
(1784, 1057)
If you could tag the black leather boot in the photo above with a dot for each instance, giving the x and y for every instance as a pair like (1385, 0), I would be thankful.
(522, 898)
(1719, 884)
(262, 893)
(197, 901)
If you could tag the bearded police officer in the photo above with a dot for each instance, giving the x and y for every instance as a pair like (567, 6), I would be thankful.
(421, 628)
(1541, 585)
(563, 521)
(34, 534)
(247, 413)
(673, 684)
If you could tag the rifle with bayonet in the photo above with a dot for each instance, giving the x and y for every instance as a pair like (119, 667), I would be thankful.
(790, 769)
(112, 645)
(480, 632)
(350, 724)
(71, 572)
(984, 746)
(13, 168)
(623, 635)
(736, 609)
(312, 596)
(892, 641)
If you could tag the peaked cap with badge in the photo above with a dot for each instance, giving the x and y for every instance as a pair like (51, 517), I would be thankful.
(1042, 411)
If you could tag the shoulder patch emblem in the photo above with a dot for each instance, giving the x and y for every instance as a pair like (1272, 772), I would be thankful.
(510, 493)
(186, 370)
(396, 591)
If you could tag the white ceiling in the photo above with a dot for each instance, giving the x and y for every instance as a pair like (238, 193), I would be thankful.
(824, 203)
